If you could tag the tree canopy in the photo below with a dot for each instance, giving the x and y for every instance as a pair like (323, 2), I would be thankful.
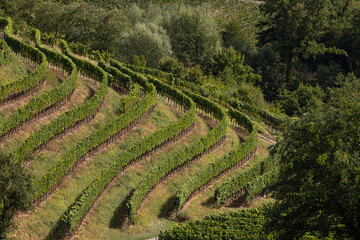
(319, 180)
(15, 189)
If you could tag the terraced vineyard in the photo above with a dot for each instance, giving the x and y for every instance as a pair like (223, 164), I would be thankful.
(122, 152)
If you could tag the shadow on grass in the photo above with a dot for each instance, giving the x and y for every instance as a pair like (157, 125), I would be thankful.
(241, 201)
(210, 203)
(120, 215)
(59, 231)
(167, 208)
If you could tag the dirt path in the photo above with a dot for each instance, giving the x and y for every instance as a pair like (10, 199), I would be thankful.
(266, 139)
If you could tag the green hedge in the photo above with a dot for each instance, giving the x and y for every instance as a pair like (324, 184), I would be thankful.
(26, 83)
(222, 164)
(122, 80)
(183, 156)
(236, 185)
(73, 216)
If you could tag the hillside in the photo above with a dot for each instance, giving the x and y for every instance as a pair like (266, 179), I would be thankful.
(179, 120)
(108, 218)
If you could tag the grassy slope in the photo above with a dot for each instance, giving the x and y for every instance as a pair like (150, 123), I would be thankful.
(15, 70)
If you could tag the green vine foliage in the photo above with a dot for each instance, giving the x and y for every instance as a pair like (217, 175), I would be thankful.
(271, 119)
(259, 184)
(64, 121)
(117, 79)
(5, 53)
(236, 185)
(222, 164)
(240, 225)
(55, 174)
(73, 216)
(182, 157)
(24, 84)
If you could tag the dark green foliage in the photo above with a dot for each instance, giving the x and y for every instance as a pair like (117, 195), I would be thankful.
(240, 225)
(267, 63)
(146, 39)
(15, 189)
(294, 28)
(193, 34)
(326, 75)
(228, 59)
(319, 194)
(304, 99)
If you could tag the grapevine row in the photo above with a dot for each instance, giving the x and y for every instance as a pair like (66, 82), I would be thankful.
(41, 103)
(259, 184)
(182, 157)
(26, 83)
(273, 120)
(74, 215)
(65, 120)
(235, 186)
(242, 153)
(119, 80)
(104, 135)
(5, 56)
(243, 224)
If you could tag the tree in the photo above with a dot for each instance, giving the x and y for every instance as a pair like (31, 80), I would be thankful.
(267, 63)
(148, 40)
(193, 34)
(228, 59)
(295, 29)
(319, 187)
(50, 18)
(304, 99)
(15, 189)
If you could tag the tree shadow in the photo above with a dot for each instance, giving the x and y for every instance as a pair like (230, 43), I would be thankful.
(167, 208)
(119, 218)
(238, 202)
(210, 203)
(59, 231)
